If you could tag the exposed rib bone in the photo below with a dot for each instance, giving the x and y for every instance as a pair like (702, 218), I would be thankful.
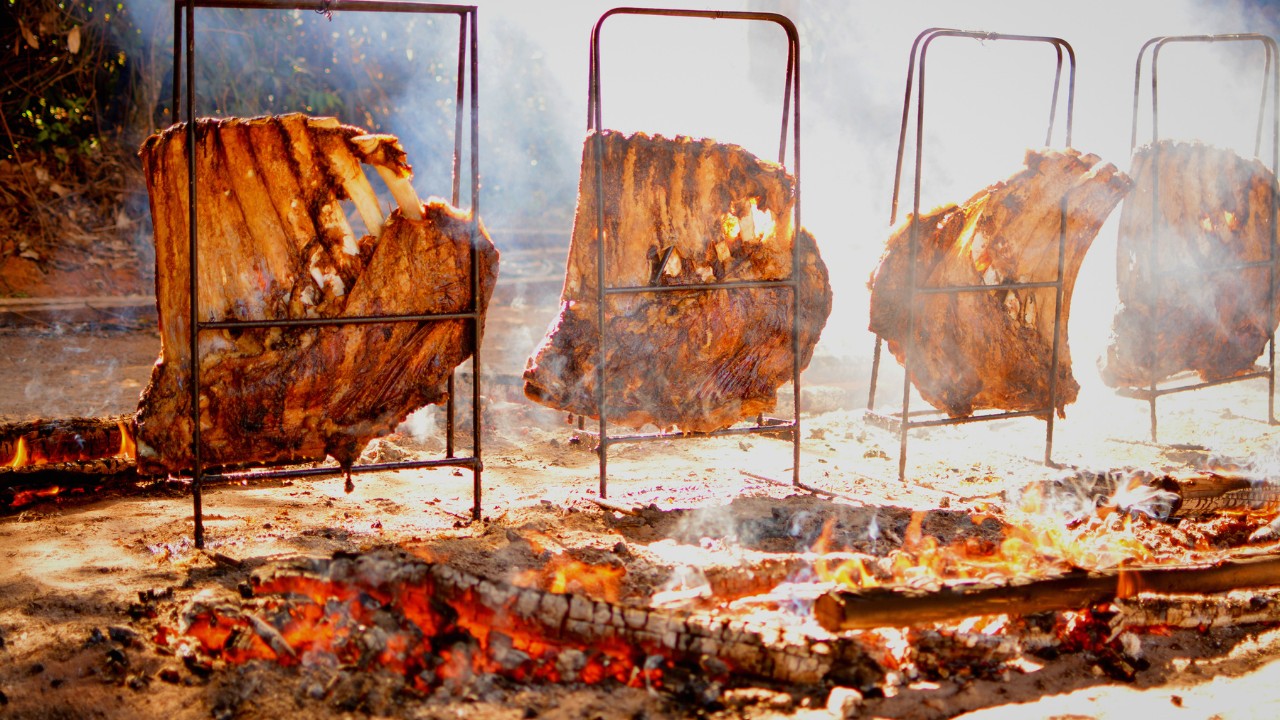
(384, 153)
(404, 193)
(345, 166)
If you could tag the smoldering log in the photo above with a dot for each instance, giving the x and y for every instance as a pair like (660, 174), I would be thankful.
(22, 486)
(681, 212)
(440, 598)
(1158, 495)
(900, 607)
(1215, 211)
(1200, 611)
(275, 244)
(980, 350)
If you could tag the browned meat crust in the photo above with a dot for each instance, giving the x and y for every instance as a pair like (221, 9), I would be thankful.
(275, 244)
(696, 360)
(980, 350)
(1215, 210)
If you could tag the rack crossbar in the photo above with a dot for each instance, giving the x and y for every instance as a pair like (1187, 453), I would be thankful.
(781, 427)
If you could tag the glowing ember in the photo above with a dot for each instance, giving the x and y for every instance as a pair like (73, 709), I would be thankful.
(26, 497)
(413, 626)
(1206, 222)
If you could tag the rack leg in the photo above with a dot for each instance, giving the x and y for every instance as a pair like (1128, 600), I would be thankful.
(603, 449)
(875, 375)
(904, 429)
(1048, 440)
(1271, 384)
(1152, 401)
(448, 420)
(197, 511)
(475, 490)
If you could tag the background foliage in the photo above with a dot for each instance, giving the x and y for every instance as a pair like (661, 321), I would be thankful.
(83, 77)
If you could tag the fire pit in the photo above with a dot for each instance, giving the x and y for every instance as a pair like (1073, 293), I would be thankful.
(702, 586)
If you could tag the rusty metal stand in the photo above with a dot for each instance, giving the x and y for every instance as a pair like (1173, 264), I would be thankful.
(901, 422)
(791, 93)
(1270, 71)
(468, 67)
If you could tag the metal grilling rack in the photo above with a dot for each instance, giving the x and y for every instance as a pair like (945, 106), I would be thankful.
(467, 71)
(791, 91)
(1270, 71)
(901, 422)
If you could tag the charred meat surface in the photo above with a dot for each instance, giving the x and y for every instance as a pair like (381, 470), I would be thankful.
(681, 212)
(275, 244)
(994, 350)
(1215, 210)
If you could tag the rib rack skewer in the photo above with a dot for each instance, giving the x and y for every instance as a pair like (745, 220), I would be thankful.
(1271, 71)
(790, 114)
(467, 86)
(902, 422)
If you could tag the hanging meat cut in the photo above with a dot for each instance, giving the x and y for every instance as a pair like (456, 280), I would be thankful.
(994, 349)
(275, 244)
(681, 212)
(1216, 210)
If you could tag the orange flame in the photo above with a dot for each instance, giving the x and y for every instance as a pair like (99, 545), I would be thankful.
(128, 446)
(1026, 549)
(1206, 222)
(562, 574)
(20, 458)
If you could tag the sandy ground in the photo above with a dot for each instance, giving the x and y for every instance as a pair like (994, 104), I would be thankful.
(72, 570)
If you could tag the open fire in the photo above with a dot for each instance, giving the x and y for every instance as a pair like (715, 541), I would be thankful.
(568, 619)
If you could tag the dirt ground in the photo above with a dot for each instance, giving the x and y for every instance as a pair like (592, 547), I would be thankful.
(79, 573)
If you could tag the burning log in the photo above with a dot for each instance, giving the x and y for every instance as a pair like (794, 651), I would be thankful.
(1159, 496)
(435, 623)
(65, 441)
(899, 607)
(1215, 211)
(978, 350)
(1237, 607)
(681, 212)
(276, 245)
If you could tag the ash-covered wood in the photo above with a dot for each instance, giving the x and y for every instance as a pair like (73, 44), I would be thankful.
(681, 212)
(274, 244)
(897, 607)
(979, 350)
(1215, 210)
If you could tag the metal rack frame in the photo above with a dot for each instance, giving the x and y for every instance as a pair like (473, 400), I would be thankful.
(594, 122)
(466, 72)
(902, 422)
(1152, 392)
